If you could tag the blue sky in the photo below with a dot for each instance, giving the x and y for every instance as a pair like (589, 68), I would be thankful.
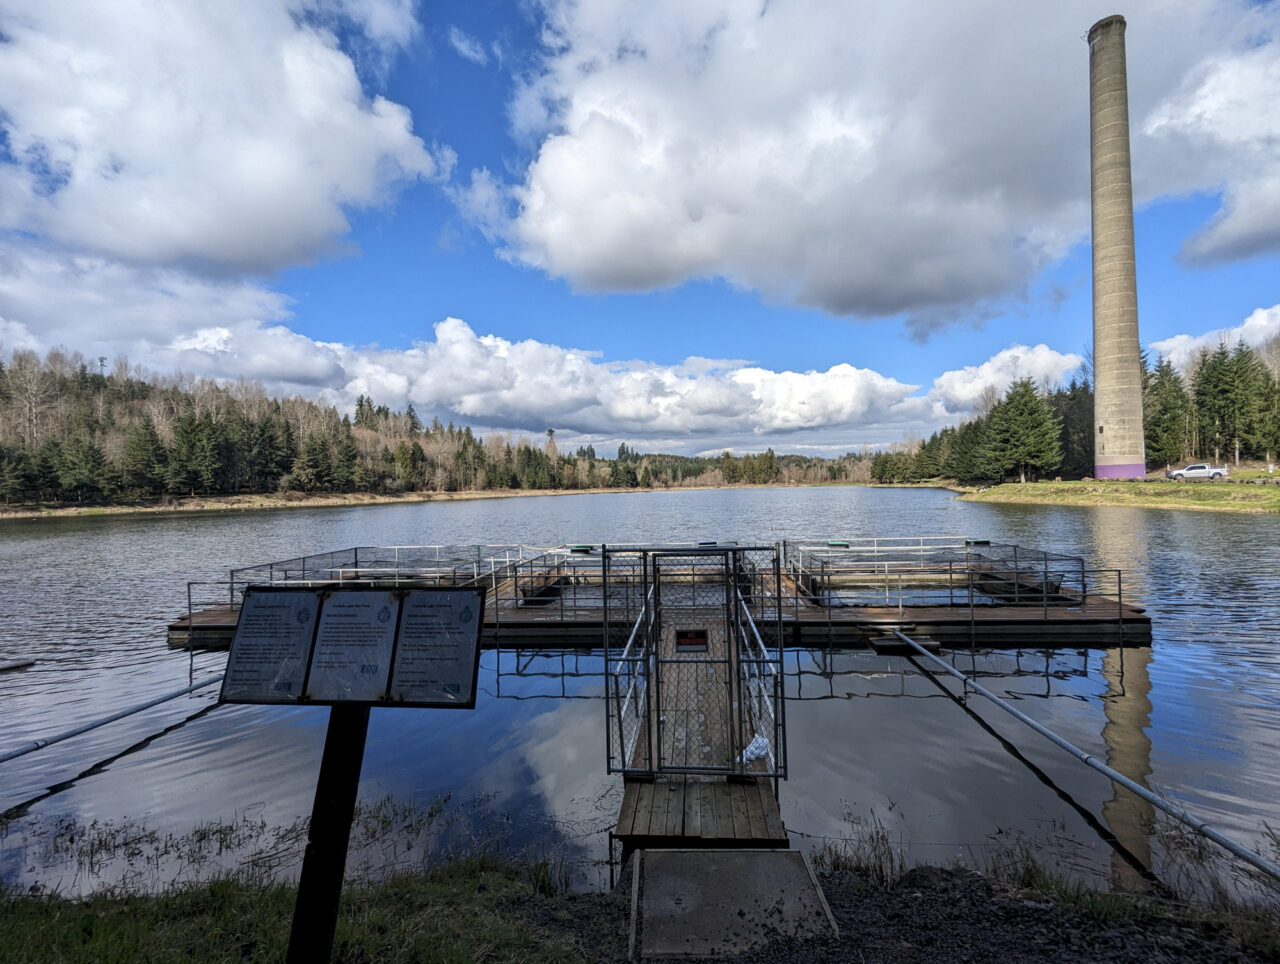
(807, 224)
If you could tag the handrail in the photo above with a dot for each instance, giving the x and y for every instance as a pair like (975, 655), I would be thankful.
(1168, 806)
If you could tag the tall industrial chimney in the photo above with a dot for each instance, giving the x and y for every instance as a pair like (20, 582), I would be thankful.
(1119, 449)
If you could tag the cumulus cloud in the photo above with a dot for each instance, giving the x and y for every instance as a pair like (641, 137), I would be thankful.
(167, 320)
(837, 155)
(232, 135)
(1229, 114)
(960, 390)
(1261, 327)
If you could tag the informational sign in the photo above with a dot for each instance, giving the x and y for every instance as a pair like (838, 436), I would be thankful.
(436, 657)
(351, 661)
(272, 647)
(356, 645)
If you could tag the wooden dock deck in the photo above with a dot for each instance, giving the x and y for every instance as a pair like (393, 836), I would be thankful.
(560, 604)
(1096, 622)
(704, 811)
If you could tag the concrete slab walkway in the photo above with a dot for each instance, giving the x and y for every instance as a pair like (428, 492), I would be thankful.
(702, 903)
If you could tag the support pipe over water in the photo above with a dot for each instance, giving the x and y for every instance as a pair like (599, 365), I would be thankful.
(1168, 806)
(68, 734)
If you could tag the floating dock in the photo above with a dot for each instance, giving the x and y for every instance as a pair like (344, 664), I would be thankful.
(702, 811)
(694, 712)
(825, 593)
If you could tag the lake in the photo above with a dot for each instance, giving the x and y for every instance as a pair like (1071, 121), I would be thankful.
(876, 748)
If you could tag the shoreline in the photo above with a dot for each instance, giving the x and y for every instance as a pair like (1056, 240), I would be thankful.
(1261, 497)
(300, 500)
(1248, 497)
(293, 500)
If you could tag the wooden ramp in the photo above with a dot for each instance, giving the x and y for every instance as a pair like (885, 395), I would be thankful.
(676, 810)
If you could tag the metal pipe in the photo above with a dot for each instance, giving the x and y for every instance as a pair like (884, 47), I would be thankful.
(67, 734)
(1168, 806)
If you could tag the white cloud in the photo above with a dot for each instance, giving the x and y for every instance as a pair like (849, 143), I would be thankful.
(233, 134)
(165, 320)
(387, 23)
(961, 390)
(868, 159)
(1262, 326)
(468, 47)
(1229, 115)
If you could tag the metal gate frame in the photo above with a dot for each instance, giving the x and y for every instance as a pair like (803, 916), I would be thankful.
(676, 673)
(635, 666)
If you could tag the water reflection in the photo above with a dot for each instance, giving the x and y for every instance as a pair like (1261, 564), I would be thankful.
(1118, 543)
(1128, 713)
(1194, 714)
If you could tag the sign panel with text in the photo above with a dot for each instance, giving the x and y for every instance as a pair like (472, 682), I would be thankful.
(359, 645)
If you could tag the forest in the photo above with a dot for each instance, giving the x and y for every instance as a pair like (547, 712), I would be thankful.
(73, 432)
(78, 433)
(1226, 407)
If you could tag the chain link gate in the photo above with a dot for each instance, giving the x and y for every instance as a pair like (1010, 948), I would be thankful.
(693, 686)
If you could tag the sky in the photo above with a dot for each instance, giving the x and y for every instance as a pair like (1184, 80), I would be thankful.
(812, 225)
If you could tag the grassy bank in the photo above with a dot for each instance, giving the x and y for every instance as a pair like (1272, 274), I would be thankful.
(480, 909)
(1203, 496)
(477, 909)
(407, 900)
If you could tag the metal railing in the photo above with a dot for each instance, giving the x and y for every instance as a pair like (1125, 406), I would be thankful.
(732, 689)
(627, 717)
(964, 574)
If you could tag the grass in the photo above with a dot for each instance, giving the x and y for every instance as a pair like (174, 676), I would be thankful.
(868, 851)
(471, 909)
(421, 886)
(407, 900)
(1205, 496)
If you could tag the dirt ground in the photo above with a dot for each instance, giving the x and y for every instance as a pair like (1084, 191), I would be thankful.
(940, 916)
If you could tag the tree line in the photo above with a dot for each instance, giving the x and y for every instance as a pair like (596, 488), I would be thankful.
(1225, 407)
(72, 431)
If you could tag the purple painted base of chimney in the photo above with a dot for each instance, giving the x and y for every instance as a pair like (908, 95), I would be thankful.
(1132, 471)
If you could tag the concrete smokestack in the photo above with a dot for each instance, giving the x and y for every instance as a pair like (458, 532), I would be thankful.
(1119, 447)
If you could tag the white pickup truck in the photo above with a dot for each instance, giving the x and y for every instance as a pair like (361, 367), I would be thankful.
(1197, 470)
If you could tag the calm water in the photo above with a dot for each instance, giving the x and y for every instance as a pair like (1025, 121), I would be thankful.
(870, 739)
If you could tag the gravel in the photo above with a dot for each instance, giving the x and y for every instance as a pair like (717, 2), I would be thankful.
(938, 916)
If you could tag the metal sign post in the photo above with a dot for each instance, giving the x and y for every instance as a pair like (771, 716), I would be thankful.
(349, 647)
(315, 913)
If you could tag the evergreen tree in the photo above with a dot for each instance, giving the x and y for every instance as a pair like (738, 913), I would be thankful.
(1073, 408)
(1211, 394)
(409, 459)
(415, 423)
(44, 469)
(16, 476)
(142, 461)
(1165, 408)
(313, 468)
(964, 462)
(1022, 435)
(1270, 441)
(1245, 410)
(81, 468)
(346, 460)
(193, 462)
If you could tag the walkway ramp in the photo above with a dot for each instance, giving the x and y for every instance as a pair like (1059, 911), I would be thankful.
(711, 903)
